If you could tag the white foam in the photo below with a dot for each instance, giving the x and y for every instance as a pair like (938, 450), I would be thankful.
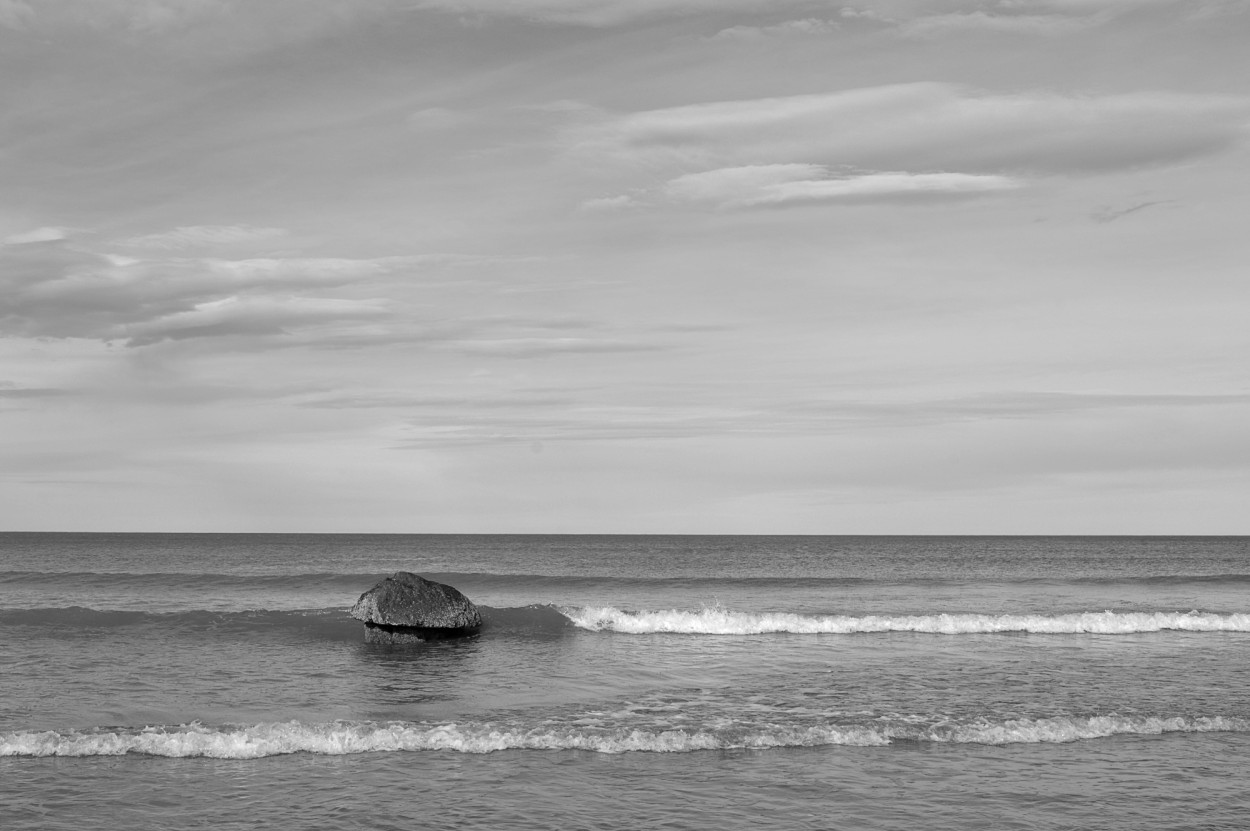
(714, 621)
(338, 738)
(1065, 729)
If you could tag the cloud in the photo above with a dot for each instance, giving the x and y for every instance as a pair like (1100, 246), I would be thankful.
(193, 236)
(854, 13)
(922, 141)
(523, 336)
(602, 13)
(243, 316)
(53, 289)
(1099, 5)
(57, 290)
(1022, 17)
(575, 419)
(610, 203)
(281, 20)
(201, 30)
(1025, 24)
(1109, 214)
(8, 389)
(584, 416)
(928, 20)
(435, 119)
(15, 14)
(134, 15)
(1098, 12)
(926, 127)
(307, 271)
(529, 347)
(1008, 405)
(46, 234)
(1218, 8)
(438, 403)
(597, 13)
(780, 184)
(790, 28)
(729, 184)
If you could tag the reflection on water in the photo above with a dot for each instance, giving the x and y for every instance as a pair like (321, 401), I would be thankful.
(396, 675)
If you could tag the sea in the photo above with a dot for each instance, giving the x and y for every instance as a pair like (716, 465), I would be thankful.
(216, 681)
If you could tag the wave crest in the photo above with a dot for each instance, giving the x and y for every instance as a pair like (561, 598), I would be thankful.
(726, 622)
(346, 737)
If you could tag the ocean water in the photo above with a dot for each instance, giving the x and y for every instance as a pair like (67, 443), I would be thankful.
(216, 681)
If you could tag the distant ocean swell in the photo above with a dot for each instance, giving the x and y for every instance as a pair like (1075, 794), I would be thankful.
(76, 621)
(328, 624)
(354, 583)
(334, 624)
(345, 737)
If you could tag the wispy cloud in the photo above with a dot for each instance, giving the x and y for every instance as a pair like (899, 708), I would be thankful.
(611, 203)
(909, 142)
(404, 400)
(677, 416)
(603, 13)
(596, 12)
(528, 347)
(1012, 405)
(1040, 18)
(1085, 6)
(1109, 214)
(133, 15)
(251, 316)
(435, 119)
(54, 289)
(8, 389)
(15, 14)
(785, 184)
(195, 30)
(804, 27)
(1045, 25)
(46, 234)
(925, 127)
(196, 236)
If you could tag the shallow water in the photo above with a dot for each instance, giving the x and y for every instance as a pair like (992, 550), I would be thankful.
(1164, 782)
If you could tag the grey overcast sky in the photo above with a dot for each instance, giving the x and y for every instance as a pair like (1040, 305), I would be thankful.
(707, 266)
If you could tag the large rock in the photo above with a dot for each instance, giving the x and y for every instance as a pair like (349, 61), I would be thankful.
(406, 608)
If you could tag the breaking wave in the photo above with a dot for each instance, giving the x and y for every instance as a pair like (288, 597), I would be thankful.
(715, 621)
(348, 737)
(552, 621)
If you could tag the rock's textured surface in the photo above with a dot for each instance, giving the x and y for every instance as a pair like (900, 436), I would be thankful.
(405, 608)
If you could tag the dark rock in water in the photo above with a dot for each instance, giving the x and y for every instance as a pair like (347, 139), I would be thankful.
(406, 608)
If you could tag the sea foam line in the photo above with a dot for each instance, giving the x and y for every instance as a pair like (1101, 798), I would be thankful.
(715, 621)
(345, 737)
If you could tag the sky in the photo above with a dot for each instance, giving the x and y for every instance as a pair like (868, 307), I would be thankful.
(625, 266)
